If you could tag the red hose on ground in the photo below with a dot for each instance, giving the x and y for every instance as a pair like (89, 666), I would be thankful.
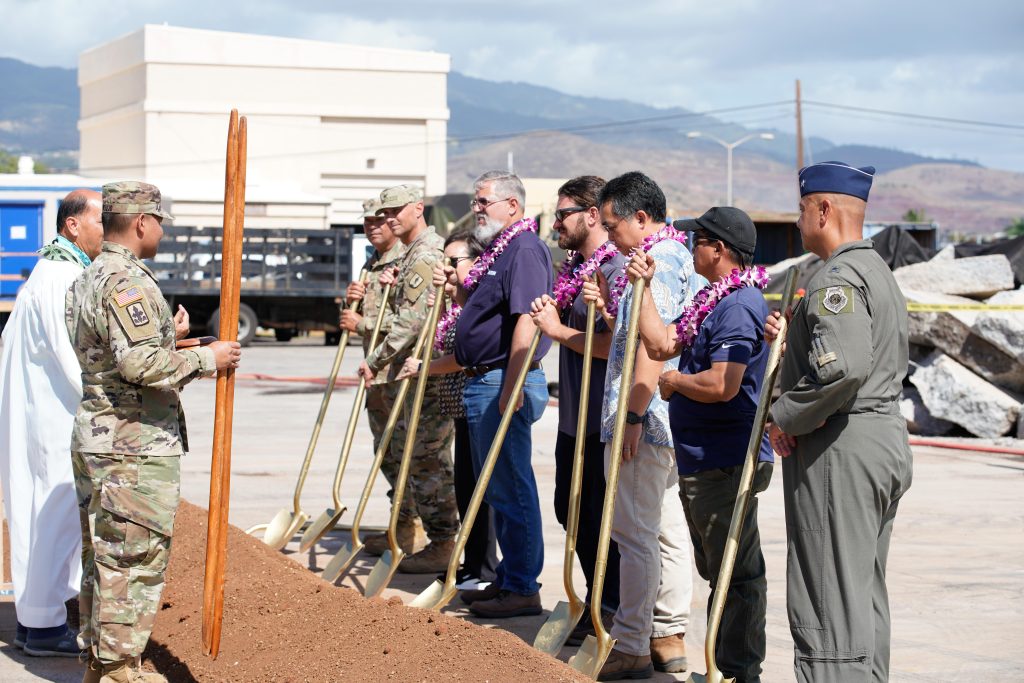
(966, 447)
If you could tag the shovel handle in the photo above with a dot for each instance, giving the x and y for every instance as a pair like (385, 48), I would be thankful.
(484, 477)
(573, 521)
(324, 403)
(615, 457)
(357, 405)
(746, 480)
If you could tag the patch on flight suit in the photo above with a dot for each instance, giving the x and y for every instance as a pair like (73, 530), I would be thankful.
(419, 277)
(835, 300)
(134, 314)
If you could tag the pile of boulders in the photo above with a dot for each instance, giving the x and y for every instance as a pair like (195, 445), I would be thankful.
(967, 366)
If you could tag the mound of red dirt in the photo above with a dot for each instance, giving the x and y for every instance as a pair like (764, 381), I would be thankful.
(283, 623)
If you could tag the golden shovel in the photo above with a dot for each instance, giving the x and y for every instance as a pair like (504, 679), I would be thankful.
(564, 617)
(329, 517)
(286, 522)
(438, 594)
(596, 648)
(383, 571)
(739, 509)
(348, 552)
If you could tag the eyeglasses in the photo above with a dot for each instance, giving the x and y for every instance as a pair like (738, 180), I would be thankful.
(484, 202)
(562, 214)
(453, 261)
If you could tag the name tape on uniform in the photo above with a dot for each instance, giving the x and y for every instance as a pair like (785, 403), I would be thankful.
(936, 308)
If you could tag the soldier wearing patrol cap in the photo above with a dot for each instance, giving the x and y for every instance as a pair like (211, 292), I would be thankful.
(381, 392)
(846, 460)
(430, 488)
(129, 430)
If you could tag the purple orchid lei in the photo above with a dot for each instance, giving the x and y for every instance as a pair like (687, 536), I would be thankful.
(697, 311)
(479, 269)
(621, 280)
(570, 279)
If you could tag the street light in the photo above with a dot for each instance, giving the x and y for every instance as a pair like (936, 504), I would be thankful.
(729, 147)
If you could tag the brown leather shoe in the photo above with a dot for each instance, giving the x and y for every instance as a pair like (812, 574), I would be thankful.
(620, 666)
(507, 604)
(411, 539)
(489, 593)
(432, 559)
(669, 653)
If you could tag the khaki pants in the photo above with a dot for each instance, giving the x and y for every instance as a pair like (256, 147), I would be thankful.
(656, 584)
(126, 505)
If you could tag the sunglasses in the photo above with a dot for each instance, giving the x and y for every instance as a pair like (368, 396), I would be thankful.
(562, 214)
(453, 261)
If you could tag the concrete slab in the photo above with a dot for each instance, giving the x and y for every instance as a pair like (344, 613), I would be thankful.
(956, 568)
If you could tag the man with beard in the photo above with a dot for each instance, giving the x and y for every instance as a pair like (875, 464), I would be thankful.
(492, 337)
(41, 388)
(430, 486)
(381, 392)
(580, 232)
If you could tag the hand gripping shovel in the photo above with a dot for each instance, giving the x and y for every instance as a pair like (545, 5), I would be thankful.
(327, 519)
(382, 572)
(286, 522)
(563, 618)
(439, 594)
(739, 509)
(595, 649)
(348, 552)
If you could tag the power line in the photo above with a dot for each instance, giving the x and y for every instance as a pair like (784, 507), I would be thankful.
(902, 114)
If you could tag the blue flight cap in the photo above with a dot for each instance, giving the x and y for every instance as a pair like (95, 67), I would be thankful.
(837, 177)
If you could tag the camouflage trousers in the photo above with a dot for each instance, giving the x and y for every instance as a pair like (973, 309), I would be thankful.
(126, 505)
(430, 489)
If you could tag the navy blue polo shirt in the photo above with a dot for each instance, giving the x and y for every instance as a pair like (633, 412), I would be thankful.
(712, 435)
(483, 333)
(570, 363)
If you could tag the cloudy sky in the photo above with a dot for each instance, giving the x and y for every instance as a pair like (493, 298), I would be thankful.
(944, 59)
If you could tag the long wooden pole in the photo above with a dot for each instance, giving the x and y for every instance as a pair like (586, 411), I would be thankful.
(220, 467)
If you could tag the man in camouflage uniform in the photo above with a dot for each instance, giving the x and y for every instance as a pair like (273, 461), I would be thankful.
(129, 430)
(381, 392)
(431, 487)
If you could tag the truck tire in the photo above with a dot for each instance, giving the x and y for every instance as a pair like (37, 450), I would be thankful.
(247, 323)
(332, 338)
(283, 334)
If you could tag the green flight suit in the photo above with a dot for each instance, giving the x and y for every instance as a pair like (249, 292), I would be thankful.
(842, 376)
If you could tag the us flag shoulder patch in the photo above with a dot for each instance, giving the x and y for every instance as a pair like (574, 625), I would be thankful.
(128, 296)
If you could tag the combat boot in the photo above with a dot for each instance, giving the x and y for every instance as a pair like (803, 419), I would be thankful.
(620, 666)
(411, 538)
(431, 560)
(129, 671)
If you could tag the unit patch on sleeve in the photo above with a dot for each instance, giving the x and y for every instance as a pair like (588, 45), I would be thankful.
(419, 277)
(134, 314)
(835, 300)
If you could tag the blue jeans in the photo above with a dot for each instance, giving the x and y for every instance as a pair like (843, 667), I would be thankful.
(512, 491)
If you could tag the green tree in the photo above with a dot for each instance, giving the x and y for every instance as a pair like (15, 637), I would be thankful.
(1016, 228)
(915, 216)
(9, 164)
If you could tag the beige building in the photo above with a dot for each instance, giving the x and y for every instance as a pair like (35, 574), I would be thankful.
(328, 124)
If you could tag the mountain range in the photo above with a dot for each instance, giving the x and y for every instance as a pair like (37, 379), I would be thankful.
(555, 134)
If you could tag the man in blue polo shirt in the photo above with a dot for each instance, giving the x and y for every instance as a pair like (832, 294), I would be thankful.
(492, 337)
(712, 400)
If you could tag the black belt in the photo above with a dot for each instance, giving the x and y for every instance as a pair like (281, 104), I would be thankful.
(480, 370)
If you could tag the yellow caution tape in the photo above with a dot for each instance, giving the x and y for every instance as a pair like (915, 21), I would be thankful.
(938, 308)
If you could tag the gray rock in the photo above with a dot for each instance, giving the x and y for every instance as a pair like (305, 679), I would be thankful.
(919, 419)
(947, 253)
(952, 392)
(977, 276)
(991, 344)
(1020, 423)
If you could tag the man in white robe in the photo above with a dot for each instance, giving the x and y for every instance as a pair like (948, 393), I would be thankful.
(40, 388)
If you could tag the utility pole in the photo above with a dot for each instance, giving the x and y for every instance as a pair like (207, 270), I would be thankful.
(799, 130)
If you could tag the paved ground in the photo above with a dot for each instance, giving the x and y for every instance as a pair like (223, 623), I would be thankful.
(956, 571)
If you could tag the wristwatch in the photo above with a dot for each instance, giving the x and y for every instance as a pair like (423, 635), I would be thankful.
(634, 419)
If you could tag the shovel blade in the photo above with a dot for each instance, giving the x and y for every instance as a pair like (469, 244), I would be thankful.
(319, 528)
(340, 562)
(711, 677)
(382, 572)
(432, 598)
(282, 528)
(556, 630)
(592, 655)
